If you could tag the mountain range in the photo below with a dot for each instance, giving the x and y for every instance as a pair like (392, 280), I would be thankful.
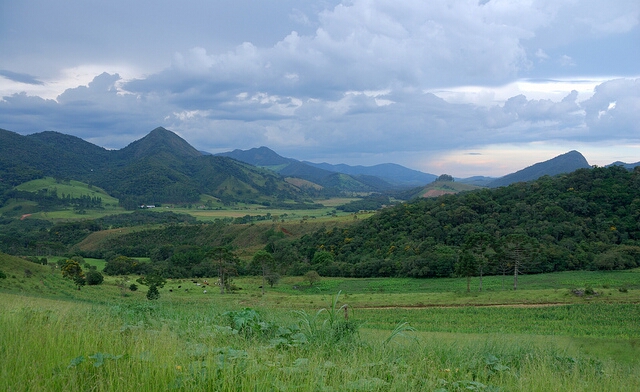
(162, 167)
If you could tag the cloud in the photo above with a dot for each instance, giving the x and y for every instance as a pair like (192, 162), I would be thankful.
(20, 77)
(615, 107)
(359, 79)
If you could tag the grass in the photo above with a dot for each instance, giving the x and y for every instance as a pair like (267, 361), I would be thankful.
(54, 337)
(74, 188)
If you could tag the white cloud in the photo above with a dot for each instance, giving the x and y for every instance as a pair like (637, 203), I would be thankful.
(362, 79)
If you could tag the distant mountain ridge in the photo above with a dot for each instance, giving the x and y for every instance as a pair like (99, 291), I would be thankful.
(628, 166)
(392, 173)
(378, 177)
(565, 163)
(163, 167)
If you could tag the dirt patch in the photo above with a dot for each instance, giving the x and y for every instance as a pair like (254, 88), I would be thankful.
(436, 193)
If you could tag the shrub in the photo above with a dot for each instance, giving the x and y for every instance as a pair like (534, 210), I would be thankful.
(3, 275)
(153, 293)
(94, 277)
(133, 287)
(311, 277)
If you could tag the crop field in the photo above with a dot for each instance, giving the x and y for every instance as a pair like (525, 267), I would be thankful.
(337, 335)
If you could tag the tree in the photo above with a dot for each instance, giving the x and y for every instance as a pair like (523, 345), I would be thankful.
(312, 277)
(225, 262)
(266, 261)
(481, 246)
(322, 257)
(273, 278)
(94, 277)
(154, 282)
(71, 269)
(519, 249)
(467, 266)
(153, 293)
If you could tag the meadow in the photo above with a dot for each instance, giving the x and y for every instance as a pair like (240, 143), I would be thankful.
(400, 334)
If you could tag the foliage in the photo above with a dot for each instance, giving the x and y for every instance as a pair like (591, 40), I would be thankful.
(312, 277)
(72, 270)
(369, 203)
(123, 265)
(225, 262)
(154, 282)
(583, 220)
(265, 261)
(153, 293)
(94, 277)
(272, 278)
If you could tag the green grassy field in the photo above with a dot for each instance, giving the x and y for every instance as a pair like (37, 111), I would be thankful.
(294, 338)
(74, 188)
(207, 209)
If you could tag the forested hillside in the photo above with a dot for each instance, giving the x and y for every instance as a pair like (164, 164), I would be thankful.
(584, 220)
(588, 219)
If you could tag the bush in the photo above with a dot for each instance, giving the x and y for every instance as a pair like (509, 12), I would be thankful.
(3, 275)
(153, 293)
(133, 287)
(94, 277)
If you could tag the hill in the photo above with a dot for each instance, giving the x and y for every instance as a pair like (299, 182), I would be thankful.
(159, 168)
(159, 142)
(354, 178)
(565, 163)
(439, 188)
(628, 166)
(392, 173)
(583, 220)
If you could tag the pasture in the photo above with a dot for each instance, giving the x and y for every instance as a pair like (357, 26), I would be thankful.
(400, 334)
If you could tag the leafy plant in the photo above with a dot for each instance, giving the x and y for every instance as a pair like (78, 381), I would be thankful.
(399, 330)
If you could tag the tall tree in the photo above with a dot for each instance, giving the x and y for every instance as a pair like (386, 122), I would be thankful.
(466, 266)
(520, 250)
(266, 261)
(482, 247)
(71, 269)
(225, 261)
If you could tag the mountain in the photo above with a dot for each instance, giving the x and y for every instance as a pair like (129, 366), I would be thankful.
(261, 156)
(289, 167)
(565, 163)
(390, 172)
(476, 180)
(367, 178)
(159, 142)
(628, 166)
(159, 168)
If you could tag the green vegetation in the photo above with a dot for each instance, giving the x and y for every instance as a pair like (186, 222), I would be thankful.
(583, 220)
(252, 284)
(103, 338)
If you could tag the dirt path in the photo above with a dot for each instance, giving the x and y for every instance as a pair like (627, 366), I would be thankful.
(417, 307)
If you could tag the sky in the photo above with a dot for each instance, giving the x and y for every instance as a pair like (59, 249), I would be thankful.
(459, 87)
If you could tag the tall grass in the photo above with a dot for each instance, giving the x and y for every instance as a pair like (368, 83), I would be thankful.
(50, 345)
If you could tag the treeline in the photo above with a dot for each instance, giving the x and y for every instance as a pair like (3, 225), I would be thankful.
(584, 220)
(369, 203)
(35, 236)
(49, 199)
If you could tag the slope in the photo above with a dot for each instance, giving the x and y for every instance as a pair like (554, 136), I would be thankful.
(565, 163)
